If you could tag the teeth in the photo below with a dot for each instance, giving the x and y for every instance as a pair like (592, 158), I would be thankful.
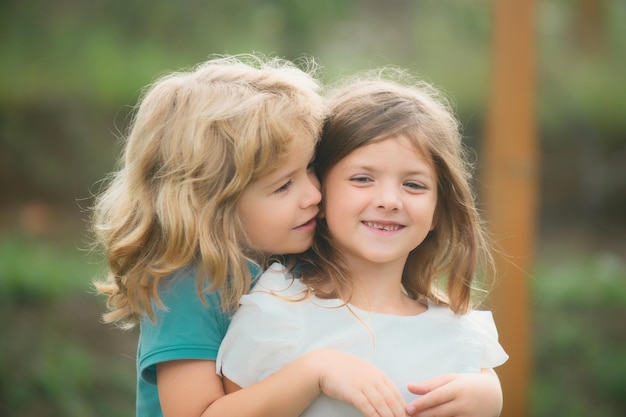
(386, 227)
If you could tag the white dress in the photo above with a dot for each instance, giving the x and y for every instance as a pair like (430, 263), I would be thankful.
(270, 330)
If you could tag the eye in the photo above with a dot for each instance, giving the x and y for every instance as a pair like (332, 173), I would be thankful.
(283, 188)
(361, 179)
(415, 186)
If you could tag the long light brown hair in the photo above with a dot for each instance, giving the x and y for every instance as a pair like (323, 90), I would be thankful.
(197, 140)
(383, 105)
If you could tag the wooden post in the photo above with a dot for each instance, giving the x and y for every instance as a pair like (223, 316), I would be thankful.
(509, 189)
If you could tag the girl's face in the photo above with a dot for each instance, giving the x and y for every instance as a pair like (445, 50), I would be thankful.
(278, 211)
(379, 202)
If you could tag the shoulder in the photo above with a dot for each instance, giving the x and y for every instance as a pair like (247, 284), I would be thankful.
(186, 315)
(278, 280)
(272, 305)
(476, 320)
(481, 324)
(482, 327)
(476, 330)
(481, 320)
(179, 291)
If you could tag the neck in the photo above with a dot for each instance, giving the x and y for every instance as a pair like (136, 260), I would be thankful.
(378, 288)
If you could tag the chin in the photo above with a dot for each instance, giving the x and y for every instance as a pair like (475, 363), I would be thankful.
(299, 248)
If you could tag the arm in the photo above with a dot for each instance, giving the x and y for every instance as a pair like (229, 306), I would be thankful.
(262, 353)
(192, 388)
(458, 395)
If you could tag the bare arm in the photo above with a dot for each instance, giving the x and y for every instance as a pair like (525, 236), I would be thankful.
(458, 395)
(192, 388)
(187, 387)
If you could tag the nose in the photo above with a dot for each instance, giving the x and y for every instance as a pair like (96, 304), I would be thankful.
(312, 194)
(388, 198)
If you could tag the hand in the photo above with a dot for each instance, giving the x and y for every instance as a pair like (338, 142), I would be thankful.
(458, 395)
(360, 384)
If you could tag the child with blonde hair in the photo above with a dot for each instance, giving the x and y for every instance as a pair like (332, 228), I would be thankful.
(214, 178)
(391, 273)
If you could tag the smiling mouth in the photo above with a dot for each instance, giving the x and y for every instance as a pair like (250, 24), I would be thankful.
(385, 227)
(308, 223)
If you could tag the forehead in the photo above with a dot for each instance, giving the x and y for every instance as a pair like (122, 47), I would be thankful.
(299, 154)
(405, 146)
(278, 150)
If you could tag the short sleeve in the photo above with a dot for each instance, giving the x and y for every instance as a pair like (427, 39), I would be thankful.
(484, 329)
(265, 334)
(185, 329)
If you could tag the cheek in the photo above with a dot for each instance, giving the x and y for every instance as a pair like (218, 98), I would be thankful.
(434, 217)
(255, 224)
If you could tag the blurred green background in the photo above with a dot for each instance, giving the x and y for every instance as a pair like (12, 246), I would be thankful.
(71, 71)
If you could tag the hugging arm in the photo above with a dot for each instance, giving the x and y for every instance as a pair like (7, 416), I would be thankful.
(263, 353)
(337, 374)
(192, 388)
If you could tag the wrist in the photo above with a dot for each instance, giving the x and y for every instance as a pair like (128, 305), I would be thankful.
(313, 369)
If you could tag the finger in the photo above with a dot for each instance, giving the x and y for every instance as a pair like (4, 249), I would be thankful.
(378, 401)
(364, 405)
(443, 410)
(433, 400)
(386, 399)
(424, 387)
(395, 400)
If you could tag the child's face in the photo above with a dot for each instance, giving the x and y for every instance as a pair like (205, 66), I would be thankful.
(279, 210)
(379, 202)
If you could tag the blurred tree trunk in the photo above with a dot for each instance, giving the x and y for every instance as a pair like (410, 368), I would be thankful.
(510, 189)
(589, 25)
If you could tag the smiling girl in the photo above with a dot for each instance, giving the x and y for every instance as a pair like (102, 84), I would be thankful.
(391, 274)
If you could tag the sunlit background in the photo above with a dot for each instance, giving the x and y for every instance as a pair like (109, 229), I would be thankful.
(71, 70)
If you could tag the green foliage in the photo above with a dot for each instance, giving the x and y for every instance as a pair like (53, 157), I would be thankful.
(34, 271)
(586, 282)
(110, 50)
(581, 81)
(580, 311)
(70, 68)
(56, 359)
(46, 369)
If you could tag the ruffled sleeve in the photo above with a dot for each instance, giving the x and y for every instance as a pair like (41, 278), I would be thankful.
(484, 328)
(266, 332)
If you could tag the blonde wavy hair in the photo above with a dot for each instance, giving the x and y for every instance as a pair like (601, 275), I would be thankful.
(381, 105)
(197, 140)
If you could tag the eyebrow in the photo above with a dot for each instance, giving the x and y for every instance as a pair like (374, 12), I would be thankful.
(278, 181)
(426, 171)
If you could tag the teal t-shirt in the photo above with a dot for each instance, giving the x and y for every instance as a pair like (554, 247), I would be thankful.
(186, 329)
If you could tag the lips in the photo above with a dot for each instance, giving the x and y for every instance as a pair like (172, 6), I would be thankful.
(308, 224)
(388, 227)
(312, 221)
